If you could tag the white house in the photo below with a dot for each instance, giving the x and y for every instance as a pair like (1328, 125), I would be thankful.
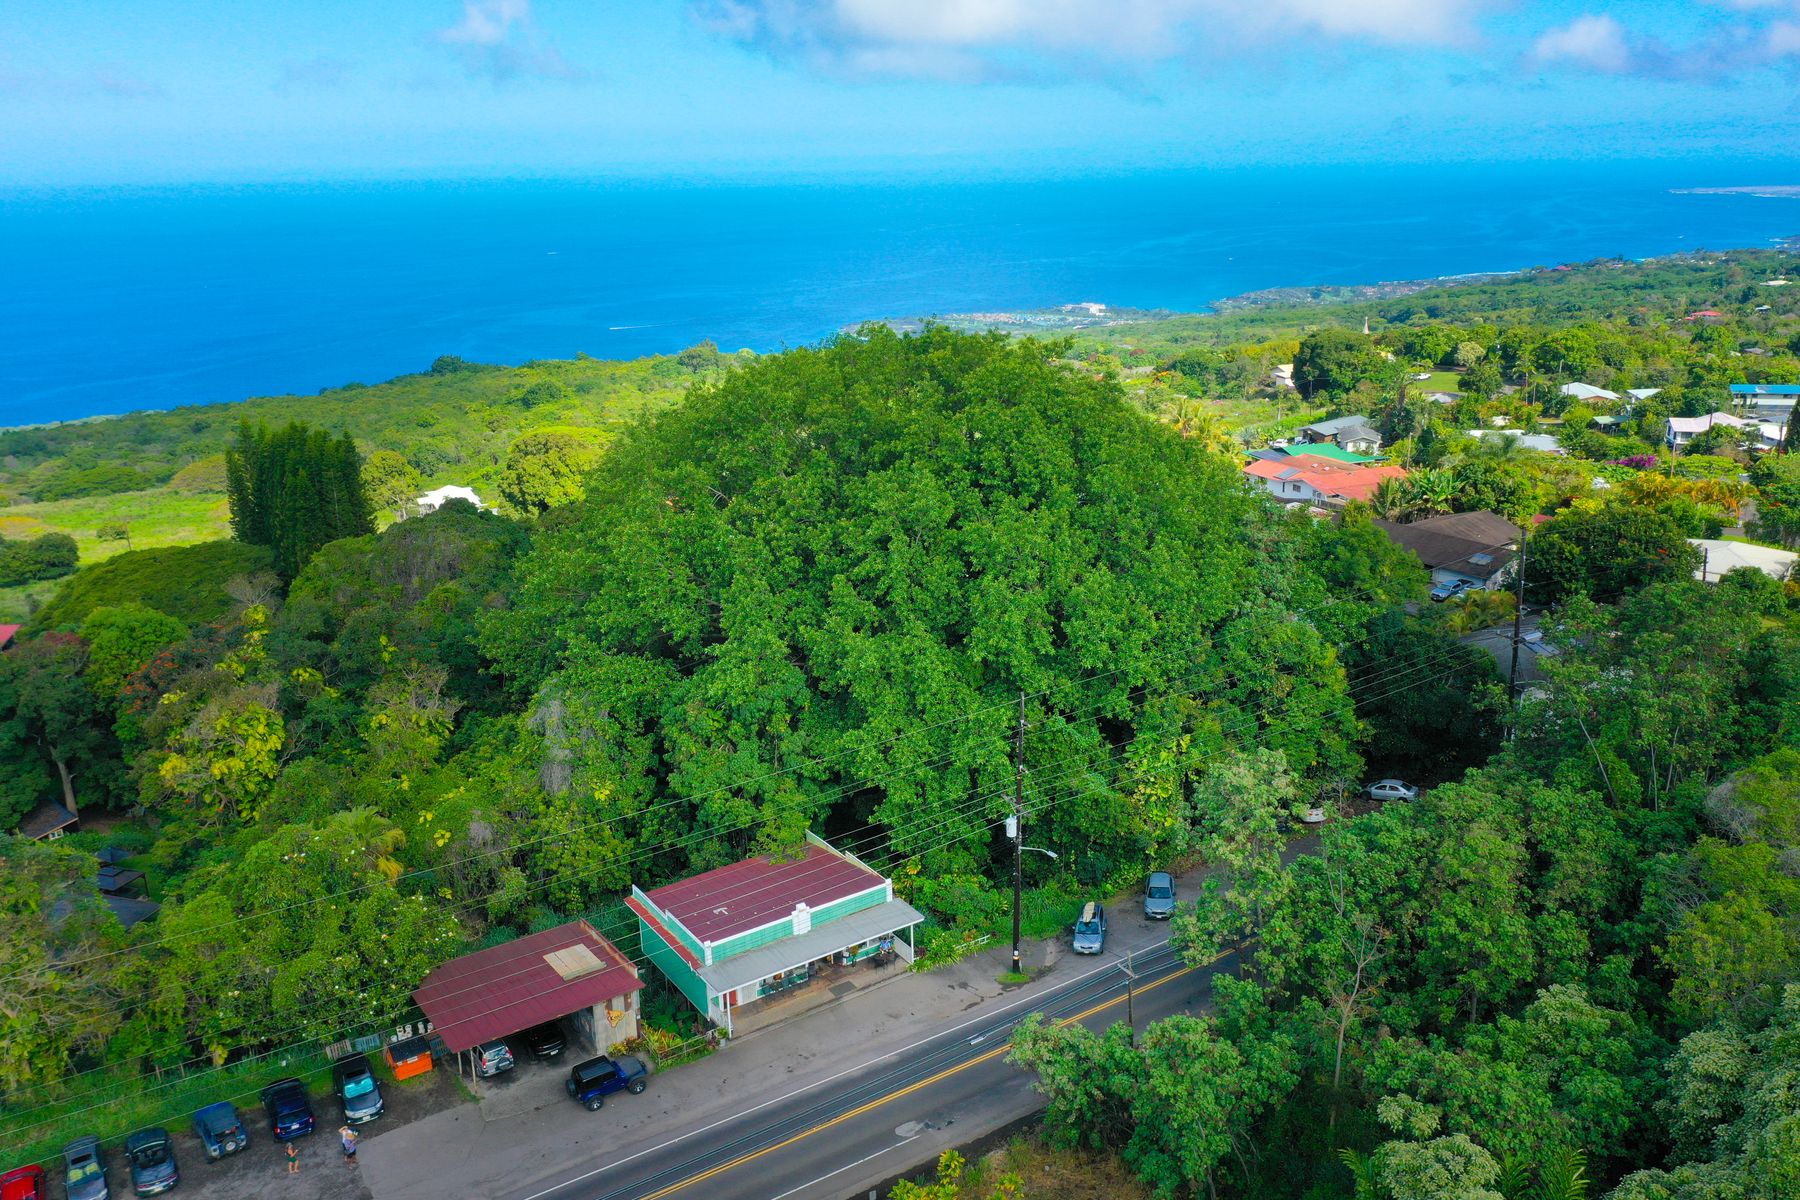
(1765, 434)
(1718, 557)
(1530, 441)
(435, 499)
(1587, 391)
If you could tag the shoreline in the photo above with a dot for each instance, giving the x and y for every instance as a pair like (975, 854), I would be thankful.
(1077, 316)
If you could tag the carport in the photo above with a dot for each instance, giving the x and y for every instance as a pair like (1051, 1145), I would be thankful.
(570, 971)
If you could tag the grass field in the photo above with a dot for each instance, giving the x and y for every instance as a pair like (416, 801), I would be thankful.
(153, 518)
(1440, 381)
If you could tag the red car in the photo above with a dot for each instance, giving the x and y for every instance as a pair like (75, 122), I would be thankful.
(23, 1183)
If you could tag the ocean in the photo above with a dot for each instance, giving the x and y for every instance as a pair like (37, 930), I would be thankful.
(122, 299)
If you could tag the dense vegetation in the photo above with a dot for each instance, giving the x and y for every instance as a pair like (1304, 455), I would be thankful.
(811, 595)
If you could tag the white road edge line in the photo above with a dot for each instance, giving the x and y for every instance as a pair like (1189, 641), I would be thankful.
(829, 1079)
(846, 1167)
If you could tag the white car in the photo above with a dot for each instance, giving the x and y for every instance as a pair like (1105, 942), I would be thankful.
(1315, 815)
(1393, 789)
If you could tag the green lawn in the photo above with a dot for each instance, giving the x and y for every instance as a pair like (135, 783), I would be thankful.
(1440, 381)
(153, 518)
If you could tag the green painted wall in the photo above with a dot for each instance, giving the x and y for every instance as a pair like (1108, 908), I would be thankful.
(672, 965)
(784, 928)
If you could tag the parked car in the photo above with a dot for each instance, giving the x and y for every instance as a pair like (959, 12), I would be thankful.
(357, 1092)
(220, 1130)
(84, 1170)
(152, 1158)
(1454, 587)
(24, 1183)
(1090, 929)
(1393, 789)
(1159, 896)
(1315, 815)
(290, 1114)
(593, 1081)
(491, 1058)
(545, 1041)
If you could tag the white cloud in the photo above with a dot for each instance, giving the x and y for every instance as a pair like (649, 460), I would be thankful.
(487, 22)
(499, 39)
(1595, 42)
(959, 38)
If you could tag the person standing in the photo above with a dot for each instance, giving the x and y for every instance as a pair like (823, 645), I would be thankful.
(293, 1157)
(347, 1138)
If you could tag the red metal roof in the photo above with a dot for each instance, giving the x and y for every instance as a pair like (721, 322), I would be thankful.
(752, 893)
(510, 987)
(7, 633)
(1349, 481)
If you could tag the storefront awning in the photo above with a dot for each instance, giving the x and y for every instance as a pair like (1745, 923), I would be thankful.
(824, 940)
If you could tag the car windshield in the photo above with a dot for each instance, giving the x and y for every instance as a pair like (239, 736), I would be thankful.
(1087, 927)
(151, 1156)
(1161, 893)
(359, 1085)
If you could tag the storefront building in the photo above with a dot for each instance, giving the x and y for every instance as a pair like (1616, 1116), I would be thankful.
(757, 928)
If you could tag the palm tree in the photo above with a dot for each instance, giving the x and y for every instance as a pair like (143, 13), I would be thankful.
(1498, 448)
(1392, 499)
(1362, 1173)
(1478, 610)
(1563, 1176)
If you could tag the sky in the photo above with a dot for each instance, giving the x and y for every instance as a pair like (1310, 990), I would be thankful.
(157, 91)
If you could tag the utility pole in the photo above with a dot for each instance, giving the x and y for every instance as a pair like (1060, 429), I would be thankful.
(1512, 680)
(1018, 833)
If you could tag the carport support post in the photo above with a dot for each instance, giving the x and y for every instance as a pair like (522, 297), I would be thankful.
(1018, 832)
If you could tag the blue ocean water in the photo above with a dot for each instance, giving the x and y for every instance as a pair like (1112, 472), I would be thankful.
(120, 299)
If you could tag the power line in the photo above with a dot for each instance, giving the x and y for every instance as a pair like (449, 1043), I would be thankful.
(1080, 767)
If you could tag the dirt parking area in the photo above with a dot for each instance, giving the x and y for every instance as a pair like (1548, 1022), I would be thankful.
(260, 1172)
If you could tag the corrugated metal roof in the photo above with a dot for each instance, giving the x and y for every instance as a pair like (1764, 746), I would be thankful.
(513, 986)
(793, 952)
(750, 894)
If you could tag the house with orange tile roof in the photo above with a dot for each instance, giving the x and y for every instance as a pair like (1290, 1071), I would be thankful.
(1317, 481)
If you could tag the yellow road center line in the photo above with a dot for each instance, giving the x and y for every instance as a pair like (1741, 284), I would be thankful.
(905, 1091)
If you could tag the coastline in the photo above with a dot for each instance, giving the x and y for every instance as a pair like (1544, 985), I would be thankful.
(1078, 316)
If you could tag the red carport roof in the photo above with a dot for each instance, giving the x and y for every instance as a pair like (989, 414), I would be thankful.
(750, 894)
(513, 986)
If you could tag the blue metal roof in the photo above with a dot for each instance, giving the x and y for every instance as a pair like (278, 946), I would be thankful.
(1765, 389)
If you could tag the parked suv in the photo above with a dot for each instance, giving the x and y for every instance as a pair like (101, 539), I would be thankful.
(220, 1131)
(290, 1116)
(1159, 896)
(593, 1081)
(152, 1158)
(84, 1170)
(1090, 929)
(357, 1091)
(545, 1041)
(1450, 589)
(491, 1058)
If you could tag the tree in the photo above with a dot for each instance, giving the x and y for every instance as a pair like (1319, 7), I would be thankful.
(57, 998)
(294, 490)
(829, 548)
(50, 556)
(1446, 1168)
(700, 357)
(1606, 551)
(1331, 362)
(118, 531)
(1238, 805)
(42, 687)
(391, 482)
(1430, 698)
(123, 638)
(547, 468)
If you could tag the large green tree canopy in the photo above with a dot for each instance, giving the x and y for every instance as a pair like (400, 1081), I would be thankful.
(827, 578)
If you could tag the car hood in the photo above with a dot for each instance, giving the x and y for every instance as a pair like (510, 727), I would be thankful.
(158, 1173)
(367, 1102)
(1088, 941)
(1159, 906)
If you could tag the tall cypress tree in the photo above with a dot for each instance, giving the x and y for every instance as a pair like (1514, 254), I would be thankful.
(295, 490)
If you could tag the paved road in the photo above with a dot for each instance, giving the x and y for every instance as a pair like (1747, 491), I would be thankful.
(846, 1135)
